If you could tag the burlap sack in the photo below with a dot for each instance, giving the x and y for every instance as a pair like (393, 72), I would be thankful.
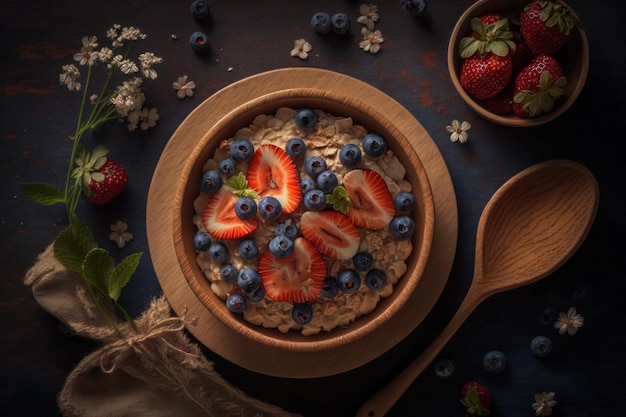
(154, 372)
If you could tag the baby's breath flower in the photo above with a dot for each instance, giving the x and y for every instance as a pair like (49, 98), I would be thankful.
(105, 54)
(301, 48)
(128, 67)
(569, 322)
(544, 401)
(458, 131)
(87, 56)
(371, 40)
(184, 88)
(120, 234)
(128, 96)
(148, 118)
(70, 77)
(369, 15)
(147, 59)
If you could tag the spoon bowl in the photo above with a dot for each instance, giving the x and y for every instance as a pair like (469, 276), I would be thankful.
(530, 227)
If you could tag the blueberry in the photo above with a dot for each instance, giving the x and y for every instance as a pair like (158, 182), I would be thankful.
(236, 303)
(375, 279)
(314, 165)
(330, 287)
(416, 7)
(340, 23)
(541, 346)
(241, 150)
(374, 145)
(295, 148)
(270, 208)
(306, 118)
(211, 182)
(245, 208)
(315, 200)
(306, 184)
(202, 241)
(249, 279)
(228, 273)
(301, 313)
(349, 281)
(494, 361)
(287, 228)
(321, 23)
(218, 252)
(327, 181)
(227, 166)
(199, 43)
(444, 368)
(548, 316)
(256, 295)
(362, 261)
(200, 10)
(404, 201)
(401, 227)
(248, 249)
(350, 154)
(281, 246)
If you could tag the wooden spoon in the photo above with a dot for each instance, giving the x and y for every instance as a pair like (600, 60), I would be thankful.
(529, 228)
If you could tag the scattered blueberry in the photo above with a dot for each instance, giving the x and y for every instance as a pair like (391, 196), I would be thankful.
(330, 287)
(548, 316)
(327, 181)
(314, 165)
(315, 200)
(321, 23)
(375, 279)
(401, 227)
(281, 246)
(287, 228)
(228, 273)
(218, 252)
(245, 208)
(270, 208)
(200, 10)
(236, 303)
(211, 182)
(416, 7)
(295, 148)
(444, 368)
(350, 154)
(340, 23)
(199, 43)
(349, 281)
(227, 166)
(306, 118)
(307, 184)
(494, 361)
(248, 249)
(241, 150)
(249, 279)
(374, 145)
(362, 261)
(404, 201)
(256, 295)
(301, 313)
(202, 241)
(541, 346)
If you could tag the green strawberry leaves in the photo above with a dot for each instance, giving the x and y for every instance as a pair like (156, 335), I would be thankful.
(542, 100)
(239, 186)
(495, 38)
(339, 200)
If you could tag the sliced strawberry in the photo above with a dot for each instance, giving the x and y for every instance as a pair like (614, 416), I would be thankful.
(332, 233)
(297, 278)
(220, 220)
(272, 172)
(371, 204)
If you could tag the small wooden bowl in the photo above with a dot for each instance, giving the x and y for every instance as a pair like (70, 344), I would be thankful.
(574, 58)
(340, 105)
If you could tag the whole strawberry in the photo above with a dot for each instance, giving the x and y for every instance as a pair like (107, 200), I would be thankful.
(102, 179)
(503, 102)
(476, 399)
(485, 77)
(538, 86)
(547, 25)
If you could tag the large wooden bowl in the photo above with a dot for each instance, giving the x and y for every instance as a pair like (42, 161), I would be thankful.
(574, 58)
(187, 191)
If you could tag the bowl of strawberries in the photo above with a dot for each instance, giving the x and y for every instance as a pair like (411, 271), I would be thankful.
(519, 63)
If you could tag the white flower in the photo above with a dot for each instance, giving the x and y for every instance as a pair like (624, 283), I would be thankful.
(128, 96)
(459, 131)
(184, 88)
(148, 118)
(371, 40)
(569, 322)
(120, 234)
(543, 404)
(369, 15)
(105, 54)
(87, 56)
(147, 59)
(70, 77)
(301, 48)
(128, 67)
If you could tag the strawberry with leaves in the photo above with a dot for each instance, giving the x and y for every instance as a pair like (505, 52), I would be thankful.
(102, 178)
(538, 86)
(476, 399)
(547, 25)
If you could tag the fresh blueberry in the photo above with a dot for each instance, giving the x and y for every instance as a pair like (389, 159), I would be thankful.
(202, 241)
(374, 145)
(281, 246)
(241, 150)
(375, 279)
(548, 316)
(218, 252)
(236, 303)
(200, 10)
(287, 228)
(340, 23)
(307, 184)
(327, 181)
(306, 118)
(541, 346)
(350, 154)
(494, 361)
(349, 281)
(321, 23)
(330, 287)
(404, 201)
(444, 368)
(314, 165)
(301, 313)
(270, 208)
(362, 261)
(256, 295)
(249, 279)
(228, 273)
(227, 166)
(248, 249)
(295, 148)
(199, 43)
(315, 200)
(401, 227)
(211, 182)
(416, 7)
(245, 208)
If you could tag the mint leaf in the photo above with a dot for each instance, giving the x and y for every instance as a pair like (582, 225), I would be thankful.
(339, 200)
(122, 273)
(44, 194)
(239, 186)
(98, 268)
(73, 244)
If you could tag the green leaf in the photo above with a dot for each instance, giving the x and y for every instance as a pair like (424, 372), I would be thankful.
(237, 182)
(339, 200)
(97, 269)
(73, 244)
(122, 274)
(44, 194)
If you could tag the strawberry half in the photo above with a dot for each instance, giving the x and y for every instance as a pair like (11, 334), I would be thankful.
(297, 278)
(332, 233)
(476, 399)
(546, 25)
(220, 220)
(371, 203)
(272, 172)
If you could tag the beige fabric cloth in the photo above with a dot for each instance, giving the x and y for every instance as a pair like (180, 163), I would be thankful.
(154, 372)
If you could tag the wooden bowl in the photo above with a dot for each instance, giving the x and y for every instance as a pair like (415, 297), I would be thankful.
(339, 105)
(573, 57)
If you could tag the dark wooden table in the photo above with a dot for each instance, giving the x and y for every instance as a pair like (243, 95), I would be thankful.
(587, 371)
